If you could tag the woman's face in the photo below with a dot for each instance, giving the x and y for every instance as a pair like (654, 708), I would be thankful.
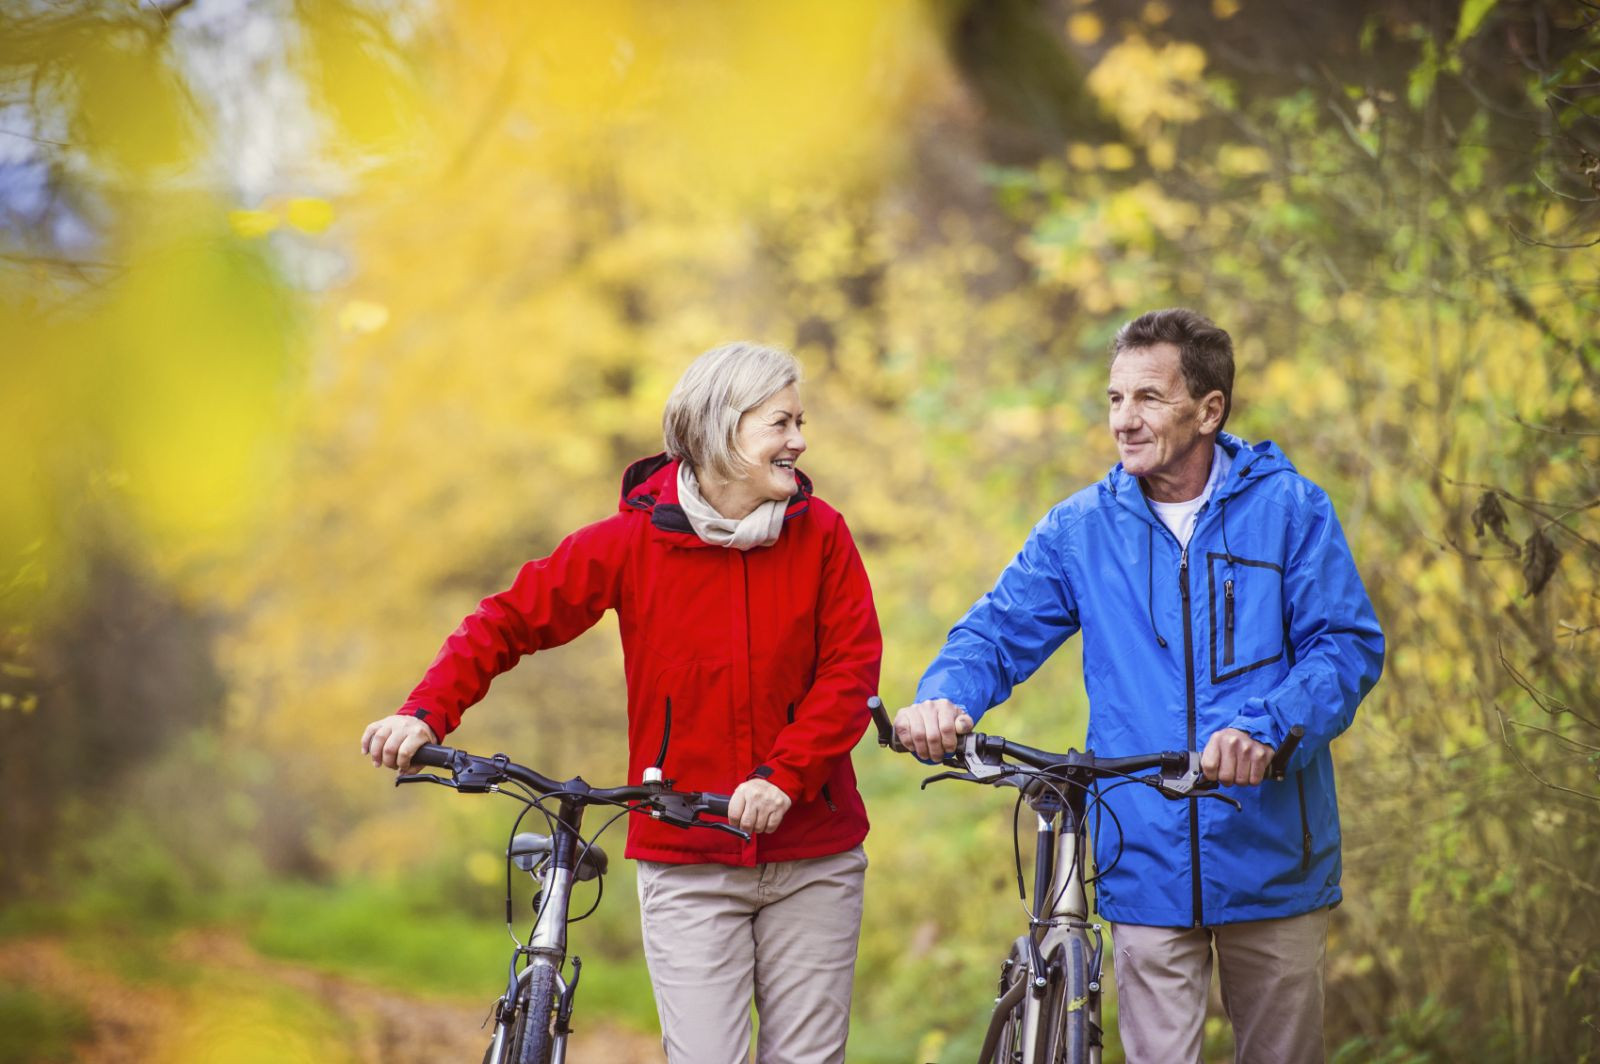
(770, 435)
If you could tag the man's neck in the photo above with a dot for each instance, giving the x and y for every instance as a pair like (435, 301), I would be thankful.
(1187, 481)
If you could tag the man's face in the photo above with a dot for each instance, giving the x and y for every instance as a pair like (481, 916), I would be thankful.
(1156, 423)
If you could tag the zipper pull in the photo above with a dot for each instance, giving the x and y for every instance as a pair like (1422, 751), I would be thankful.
(1227, 621)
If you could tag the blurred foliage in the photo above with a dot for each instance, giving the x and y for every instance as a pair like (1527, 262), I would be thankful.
(36, 1028)
(319, 318)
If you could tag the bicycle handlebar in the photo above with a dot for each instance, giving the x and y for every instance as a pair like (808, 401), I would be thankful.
(982, 748)
(472, 774)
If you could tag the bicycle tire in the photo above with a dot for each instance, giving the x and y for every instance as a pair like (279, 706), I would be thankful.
(1069, 1005)
(1007, 1046)
(532, 1042)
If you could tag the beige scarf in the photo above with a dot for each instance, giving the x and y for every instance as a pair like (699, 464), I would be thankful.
(759, 528)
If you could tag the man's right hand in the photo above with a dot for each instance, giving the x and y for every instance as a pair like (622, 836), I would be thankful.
(932, 729)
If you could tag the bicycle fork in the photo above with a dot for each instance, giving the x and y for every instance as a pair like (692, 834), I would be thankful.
(546, 946)
(1062, 909)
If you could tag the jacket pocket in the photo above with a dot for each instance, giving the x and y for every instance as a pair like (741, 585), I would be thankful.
(1245, 614)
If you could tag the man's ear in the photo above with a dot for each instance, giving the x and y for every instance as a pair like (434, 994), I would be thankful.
(1211, 408)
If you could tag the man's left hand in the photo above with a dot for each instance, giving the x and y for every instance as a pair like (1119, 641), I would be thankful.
(1232, 758)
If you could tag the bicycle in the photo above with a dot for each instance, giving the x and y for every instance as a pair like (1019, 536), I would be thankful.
(533, 1017)
(1047, 1010)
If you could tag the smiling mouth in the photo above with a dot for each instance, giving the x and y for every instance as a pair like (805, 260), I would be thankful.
(785, 464)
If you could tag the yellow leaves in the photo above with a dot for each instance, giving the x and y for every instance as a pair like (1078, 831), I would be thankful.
(309, 214)
(1084, 28)
(252, 224)
(166, 391)
(1116, 156)
(1225, 9)
(1242, 160)
(24, 705)
(1155, 12)
(1143, 85)
(719, 105)
(362, 316)
(1161, 152)
(1082, 156)
(306, 213)
(131, 107)
(360, 81)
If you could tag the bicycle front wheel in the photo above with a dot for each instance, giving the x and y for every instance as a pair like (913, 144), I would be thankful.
(531, 1045)
(1071, 1005)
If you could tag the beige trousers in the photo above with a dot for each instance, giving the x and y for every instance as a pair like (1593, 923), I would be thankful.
(1272, 983)
(784, 933)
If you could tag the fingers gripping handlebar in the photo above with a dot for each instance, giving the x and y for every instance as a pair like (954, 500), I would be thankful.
(1189, 774)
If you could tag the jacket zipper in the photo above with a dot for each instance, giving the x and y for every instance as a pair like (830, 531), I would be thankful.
(827, 795)
(1305, 824)
(1188, 672)
(1227, 622)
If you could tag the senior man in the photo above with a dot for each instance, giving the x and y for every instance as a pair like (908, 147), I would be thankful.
(1219, 607)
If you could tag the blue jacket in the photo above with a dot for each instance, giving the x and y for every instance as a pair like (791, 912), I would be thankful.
(1261, 624)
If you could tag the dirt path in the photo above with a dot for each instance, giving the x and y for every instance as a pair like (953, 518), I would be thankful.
(156, 1021)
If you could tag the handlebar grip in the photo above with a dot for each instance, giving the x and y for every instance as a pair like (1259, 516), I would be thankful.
(1280, 760)
(880, 717)
(715, 804)
(430, 755)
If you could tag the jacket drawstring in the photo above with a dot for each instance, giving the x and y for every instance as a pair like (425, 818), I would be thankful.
(1150, 586)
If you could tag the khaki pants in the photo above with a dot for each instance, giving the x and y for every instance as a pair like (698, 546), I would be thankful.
(1272, 981)
(783, 932)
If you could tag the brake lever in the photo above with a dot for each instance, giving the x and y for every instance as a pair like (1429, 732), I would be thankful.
(423, 777)
(965, 777)
(1202, 788)
(717, 825)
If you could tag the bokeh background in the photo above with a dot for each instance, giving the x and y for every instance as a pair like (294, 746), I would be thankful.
(318, 317)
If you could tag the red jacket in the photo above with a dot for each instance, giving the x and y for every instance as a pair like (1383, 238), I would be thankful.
(768, 656)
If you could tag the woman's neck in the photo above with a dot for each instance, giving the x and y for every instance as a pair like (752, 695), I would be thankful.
(730, 498)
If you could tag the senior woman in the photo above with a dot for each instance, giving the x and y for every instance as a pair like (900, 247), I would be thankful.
(743, 600)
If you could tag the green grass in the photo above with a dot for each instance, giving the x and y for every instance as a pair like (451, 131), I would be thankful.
(408, 938)
(36, 1028)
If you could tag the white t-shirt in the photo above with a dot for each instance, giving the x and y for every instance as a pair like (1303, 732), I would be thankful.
(1180, 516)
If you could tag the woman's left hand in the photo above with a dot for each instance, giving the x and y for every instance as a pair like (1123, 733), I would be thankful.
(757, 806)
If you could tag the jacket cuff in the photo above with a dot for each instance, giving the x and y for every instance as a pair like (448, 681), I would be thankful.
(433, 719)
(786, 780)
(1259, 726)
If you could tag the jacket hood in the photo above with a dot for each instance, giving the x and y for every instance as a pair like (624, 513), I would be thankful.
(650, 485)
(1252, 462)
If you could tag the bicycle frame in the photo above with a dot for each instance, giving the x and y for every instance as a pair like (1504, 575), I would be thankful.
(547, 943)
(1059, 853)
(1048, 1008)
(536, 1008)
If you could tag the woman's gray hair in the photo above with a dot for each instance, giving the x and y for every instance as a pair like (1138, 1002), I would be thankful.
(701, 421)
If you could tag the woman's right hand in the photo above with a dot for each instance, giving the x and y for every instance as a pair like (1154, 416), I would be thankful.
(390, 742)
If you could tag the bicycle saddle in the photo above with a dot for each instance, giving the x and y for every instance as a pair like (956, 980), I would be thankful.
(528, 847)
